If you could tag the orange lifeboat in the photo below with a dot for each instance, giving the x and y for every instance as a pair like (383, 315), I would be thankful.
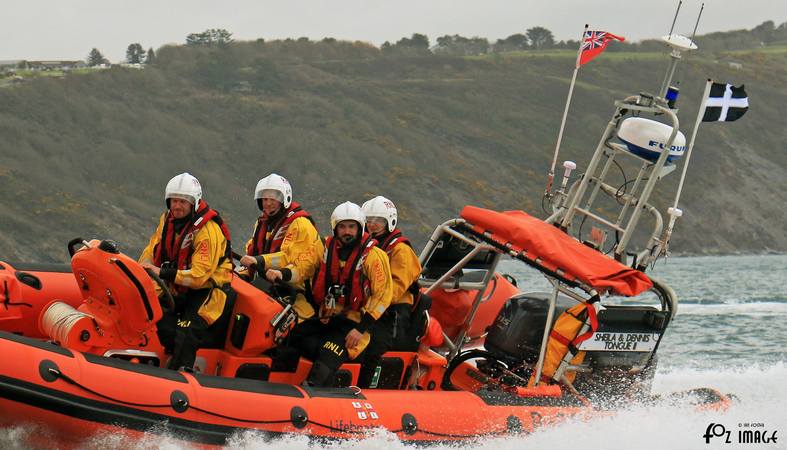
(84, 357)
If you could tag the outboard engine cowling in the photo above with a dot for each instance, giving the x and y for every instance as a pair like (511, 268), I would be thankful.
(517, 331)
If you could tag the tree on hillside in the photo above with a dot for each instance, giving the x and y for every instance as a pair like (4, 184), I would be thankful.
(614, 46)
(780, 33)
(213, 36)
(150, 58)
(135, 53)
(764, 31)
(514, 42)
(418, 44)
(95, 58)
(461, 46)
(449, 45)
(540, 38)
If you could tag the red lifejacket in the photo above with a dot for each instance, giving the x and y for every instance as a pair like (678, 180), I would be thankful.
(349, 279)
(260, 245)
(177, 248)
(393, 239)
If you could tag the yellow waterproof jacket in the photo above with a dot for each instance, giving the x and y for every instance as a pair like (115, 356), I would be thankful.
(405, 270)
(377, 269)
(301, 252)
(208, 267)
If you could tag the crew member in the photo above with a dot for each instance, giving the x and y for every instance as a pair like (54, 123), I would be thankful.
(381, 221)
(352, 288)
(285, 245)
(191, 250)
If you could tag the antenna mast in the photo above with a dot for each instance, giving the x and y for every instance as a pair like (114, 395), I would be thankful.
(678, 43)
(674, 19)
(693, 33)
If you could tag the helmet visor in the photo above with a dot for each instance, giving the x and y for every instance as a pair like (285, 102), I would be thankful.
(375, 220)
(272, 194)
(188, 198)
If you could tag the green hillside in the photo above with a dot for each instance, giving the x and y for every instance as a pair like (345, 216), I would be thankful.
(89, 154)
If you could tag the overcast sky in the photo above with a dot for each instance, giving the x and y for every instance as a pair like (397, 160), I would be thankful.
(68, 29)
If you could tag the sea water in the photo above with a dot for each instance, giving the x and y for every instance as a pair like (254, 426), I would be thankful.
(730, 334)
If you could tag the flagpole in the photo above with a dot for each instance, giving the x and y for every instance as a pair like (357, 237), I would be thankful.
(675, 212)
(700, 113)
(565, 113)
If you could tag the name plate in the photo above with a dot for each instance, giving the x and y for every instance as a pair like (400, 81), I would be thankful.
(620, 342)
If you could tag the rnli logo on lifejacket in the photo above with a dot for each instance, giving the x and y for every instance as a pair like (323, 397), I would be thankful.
(336, 349)
(187, 240)
(280, 232)
(379, 274)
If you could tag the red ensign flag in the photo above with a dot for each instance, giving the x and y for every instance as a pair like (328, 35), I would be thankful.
(595, 42)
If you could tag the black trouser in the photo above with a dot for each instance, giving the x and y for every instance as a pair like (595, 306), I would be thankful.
(391, 326)
(183, 331)
(324, 343)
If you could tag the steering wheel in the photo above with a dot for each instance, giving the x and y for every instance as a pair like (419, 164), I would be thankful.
(492, 371)
(72, 245)
(166, 301)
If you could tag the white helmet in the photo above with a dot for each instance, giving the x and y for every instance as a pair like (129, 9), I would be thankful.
(183, 186)
(277, 187)
(381, 207)
(347, 211)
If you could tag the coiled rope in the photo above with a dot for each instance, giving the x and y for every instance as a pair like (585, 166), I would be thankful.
(59, 319)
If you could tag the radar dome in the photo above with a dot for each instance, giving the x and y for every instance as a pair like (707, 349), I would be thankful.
(647, 138)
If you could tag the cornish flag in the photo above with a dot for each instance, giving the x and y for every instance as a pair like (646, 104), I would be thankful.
(725, 103)
(594, 43)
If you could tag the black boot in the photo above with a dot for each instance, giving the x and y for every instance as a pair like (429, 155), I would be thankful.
(185, 351)
(321, 375)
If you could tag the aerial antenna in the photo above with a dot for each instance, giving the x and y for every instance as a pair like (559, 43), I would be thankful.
(678, 44)
(693, 33)
(674, 19)
(671, 92)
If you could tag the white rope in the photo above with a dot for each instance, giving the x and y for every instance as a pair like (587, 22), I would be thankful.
(58, 321)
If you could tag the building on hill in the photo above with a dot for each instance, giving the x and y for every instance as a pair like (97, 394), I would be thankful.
(22, 64)
(10, 65)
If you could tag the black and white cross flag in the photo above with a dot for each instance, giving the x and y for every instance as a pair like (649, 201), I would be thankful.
(725, 103)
